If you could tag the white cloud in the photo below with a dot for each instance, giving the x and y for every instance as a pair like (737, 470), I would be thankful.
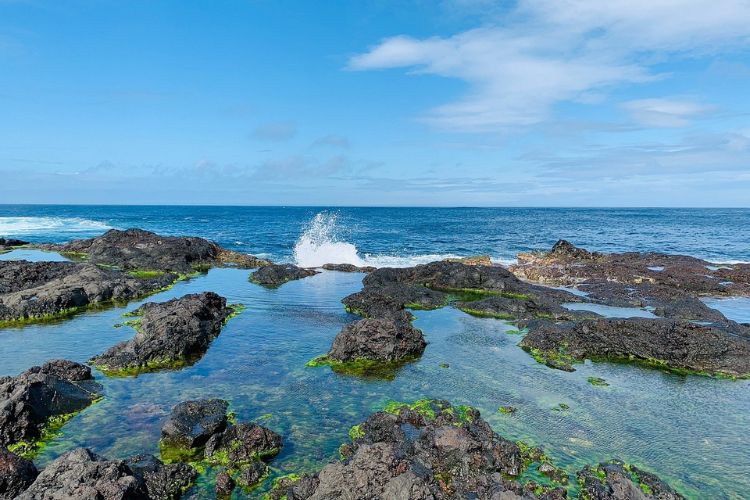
(665, 112)
(548, 51)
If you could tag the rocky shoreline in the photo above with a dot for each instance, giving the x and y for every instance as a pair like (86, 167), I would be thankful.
(426, 449)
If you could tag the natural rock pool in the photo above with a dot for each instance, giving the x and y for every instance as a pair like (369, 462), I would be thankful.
(690, 430)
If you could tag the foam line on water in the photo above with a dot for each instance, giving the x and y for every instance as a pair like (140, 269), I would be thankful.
(16, 226)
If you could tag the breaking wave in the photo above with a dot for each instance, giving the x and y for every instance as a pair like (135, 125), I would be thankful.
(19, 226)
(320, 244)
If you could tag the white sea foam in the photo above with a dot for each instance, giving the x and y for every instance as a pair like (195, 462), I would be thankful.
(19, 226)
(320, 244)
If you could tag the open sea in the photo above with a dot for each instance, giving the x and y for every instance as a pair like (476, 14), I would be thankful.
(690, 430)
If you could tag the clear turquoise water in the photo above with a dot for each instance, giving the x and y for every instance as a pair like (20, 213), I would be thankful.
(690, 430)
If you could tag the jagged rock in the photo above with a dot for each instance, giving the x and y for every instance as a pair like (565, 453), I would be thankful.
(40, 290)
(200, 430)
(53, 390)
(429, 450)
(169, 334)
(386, 300)
(82, 474)
(615, 480)
(163, 481)
(348, 268)
(378, 339)
(678, 345)
(224, 485)
(278, 274)
(138, 249)
(192, 423)
(16, 474)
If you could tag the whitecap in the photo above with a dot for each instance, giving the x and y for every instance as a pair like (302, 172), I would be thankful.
(19, 226)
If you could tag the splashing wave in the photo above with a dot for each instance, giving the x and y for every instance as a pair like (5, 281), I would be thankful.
(15, 226)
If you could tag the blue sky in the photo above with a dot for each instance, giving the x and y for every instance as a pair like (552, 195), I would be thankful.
(454, 102)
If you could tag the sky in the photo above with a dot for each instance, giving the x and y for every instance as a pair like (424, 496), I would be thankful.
(409, 102)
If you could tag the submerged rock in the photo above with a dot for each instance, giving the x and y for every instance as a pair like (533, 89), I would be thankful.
(82, 474)
(200, 431)
(615, 480)
(169, 334)
(136, 249)
(278, 274)
(678, 345)
(348, 268)
(422, 451)
(378, 339)
(42, 399)
(16, 474)
(36, 291)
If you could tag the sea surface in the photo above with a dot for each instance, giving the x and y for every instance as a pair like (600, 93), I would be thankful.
(691, 430)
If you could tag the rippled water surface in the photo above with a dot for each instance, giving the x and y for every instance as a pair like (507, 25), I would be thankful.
(690, 430)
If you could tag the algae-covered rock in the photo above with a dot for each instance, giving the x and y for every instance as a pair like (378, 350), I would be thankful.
(425, 450)
(16, 474)
(136, 249)
(200, 431)
(163, 481)
(41, 399)
(39, 291)
(677, 345)
(169, 334)
(348, 268)
(387, 340)
(615, 480)
(278, 274)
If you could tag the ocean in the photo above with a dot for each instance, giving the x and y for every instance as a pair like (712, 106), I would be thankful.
(401, 236)
(690, 430)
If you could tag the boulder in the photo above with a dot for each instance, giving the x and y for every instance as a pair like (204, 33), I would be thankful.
(163, 481)
(378, 339)
(37, 291)
(277, 274)
(169, 334)
(41, 397)
(192, 423)
(224, 485)
(615, 480)
(380, 301)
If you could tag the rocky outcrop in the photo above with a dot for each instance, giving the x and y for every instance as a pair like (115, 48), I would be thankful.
(615, 480)
(426, 450)
(36, 291)
(136, 249)
(82, 474)
(381, 301)
(569, 265)
(678, 345)
(16, 474)
(169, 335)
(278, 274)
(348, 268)
(8, 244)
(200, 431)
(473, 260)
(41, 399)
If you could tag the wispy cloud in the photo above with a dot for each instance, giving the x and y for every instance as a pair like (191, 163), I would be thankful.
(546, 52)
(666, 112)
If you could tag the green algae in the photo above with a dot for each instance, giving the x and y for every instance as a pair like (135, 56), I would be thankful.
(487, 314)
(361, 367)
(506, 410)
(422, 406)
(356, 432)
(597, 381)
(146, 273)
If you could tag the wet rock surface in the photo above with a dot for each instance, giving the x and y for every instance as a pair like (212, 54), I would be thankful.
(8, 244)
(32, 291)
(16, 474)
(348, 268)
(201, 431)
(169, 334)
(278, 274)
(615, 480)
(82, 474)
(136, 249)
(29, 401)
(426, 450)
(667, 343)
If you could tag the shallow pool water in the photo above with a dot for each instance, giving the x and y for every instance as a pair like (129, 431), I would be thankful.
(610, 311)
(734, 308)
(690, 430)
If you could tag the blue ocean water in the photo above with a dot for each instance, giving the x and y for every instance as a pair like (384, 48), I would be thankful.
(402, 236)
